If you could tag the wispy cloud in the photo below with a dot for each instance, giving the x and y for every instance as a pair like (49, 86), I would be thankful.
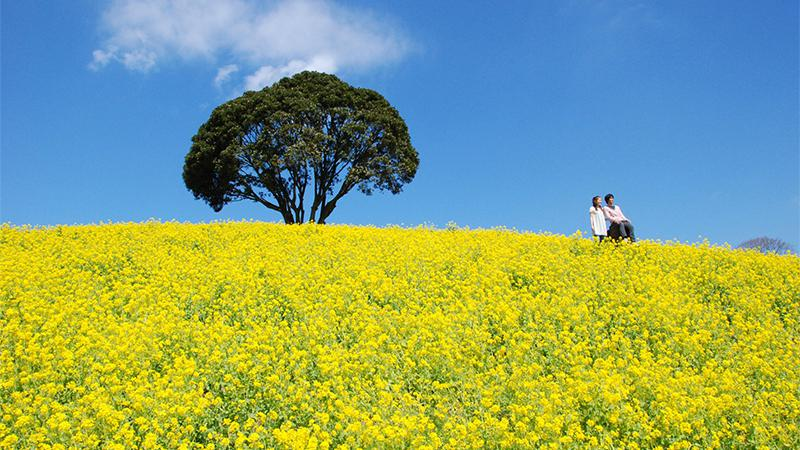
(614, 20)
(609, 31)
(630, 15)
(224, 74)
(267, 40)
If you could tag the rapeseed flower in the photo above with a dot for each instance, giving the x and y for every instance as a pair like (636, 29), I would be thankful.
(261, 335)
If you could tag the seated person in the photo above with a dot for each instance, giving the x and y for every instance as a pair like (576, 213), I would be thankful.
(620, 225)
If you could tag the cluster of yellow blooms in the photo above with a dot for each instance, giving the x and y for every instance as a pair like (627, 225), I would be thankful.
(263, 335)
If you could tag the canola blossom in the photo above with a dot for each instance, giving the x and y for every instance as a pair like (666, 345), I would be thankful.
(262, 335)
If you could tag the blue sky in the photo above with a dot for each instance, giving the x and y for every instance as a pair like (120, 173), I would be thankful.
(521, 111)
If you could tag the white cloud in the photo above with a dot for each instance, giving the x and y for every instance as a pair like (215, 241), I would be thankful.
(101, 58)
(142, 60)
(224, 74)
(266, 75)
(272, 39)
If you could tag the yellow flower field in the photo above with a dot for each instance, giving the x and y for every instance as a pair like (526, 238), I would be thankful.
(263, 335)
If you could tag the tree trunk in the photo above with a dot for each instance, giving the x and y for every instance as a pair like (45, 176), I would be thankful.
(287, 216)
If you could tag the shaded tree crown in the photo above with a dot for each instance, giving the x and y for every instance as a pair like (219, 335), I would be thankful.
(297, 147)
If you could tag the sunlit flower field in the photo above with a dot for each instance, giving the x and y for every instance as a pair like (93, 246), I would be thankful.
(263, 335)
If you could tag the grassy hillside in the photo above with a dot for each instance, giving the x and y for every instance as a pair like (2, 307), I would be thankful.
(260, 335)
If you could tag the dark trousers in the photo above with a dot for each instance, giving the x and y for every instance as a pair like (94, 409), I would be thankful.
(622, 230)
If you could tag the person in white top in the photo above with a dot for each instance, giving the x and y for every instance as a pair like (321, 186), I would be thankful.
(598, 219)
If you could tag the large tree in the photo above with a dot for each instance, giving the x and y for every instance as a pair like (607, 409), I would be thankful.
(299, 146)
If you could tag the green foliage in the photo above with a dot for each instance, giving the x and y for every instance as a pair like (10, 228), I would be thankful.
(307, 137)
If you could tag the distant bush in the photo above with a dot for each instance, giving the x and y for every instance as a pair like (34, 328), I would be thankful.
(767, 245)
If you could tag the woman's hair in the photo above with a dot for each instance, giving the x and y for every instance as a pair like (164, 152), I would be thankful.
(593, 199)
(608, 196)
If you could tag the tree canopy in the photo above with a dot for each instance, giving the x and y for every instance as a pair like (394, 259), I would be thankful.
(309, 138)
